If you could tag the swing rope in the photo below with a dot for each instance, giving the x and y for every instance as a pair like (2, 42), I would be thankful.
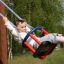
(16, 15)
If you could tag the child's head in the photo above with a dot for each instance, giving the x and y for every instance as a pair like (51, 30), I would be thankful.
(21, 25)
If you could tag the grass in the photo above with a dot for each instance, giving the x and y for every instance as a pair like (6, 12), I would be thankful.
(57, 57)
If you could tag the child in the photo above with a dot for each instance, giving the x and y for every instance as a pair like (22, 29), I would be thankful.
(20, 31)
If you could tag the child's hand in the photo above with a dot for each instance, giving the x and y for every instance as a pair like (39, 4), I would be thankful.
(4, 17)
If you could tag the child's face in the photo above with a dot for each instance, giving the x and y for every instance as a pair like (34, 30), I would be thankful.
(21, 27)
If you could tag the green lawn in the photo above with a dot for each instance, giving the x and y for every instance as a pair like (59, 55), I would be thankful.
(57, 57)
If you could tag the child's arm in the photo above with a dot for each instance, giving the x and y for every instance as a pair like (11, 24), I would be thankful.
(10, 25)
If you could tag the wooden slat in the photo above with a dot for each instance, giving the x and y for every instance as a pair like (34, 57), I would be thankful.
(3, 43)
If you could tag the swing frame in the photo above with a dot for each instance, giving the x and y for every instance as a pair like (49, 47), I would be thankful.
(47, 52)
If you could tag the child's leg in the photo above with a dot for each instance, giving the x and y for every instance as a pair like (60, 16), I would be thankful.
(53, 38)
(50, 37)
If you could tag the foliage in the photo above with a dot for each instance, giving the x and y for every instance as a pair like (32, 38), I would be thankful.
(38, 11)
(53, 12)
